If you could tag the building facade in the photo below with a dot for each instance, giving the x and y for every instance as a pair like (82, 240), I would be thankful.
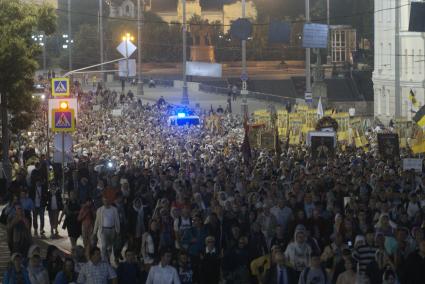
(171, 10)
(398, 61)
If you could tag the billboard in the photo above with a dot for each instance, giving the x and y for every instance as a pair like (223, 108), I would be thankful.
(203, 69)
(315, 36)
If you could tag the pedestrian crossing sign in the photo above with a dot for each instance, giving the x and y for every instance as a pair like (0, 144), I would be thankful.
(60, 87)
(63, 120)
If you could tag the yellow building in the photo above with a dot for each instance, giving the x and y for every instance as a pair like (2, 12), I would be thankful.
(171, 10)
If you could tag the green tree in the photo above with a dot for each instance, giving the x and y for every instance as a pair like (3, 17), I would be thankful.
(18, 62)
(85, 48)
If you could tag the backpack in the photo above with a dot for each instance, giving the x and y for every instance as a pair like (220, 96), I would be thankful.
(307, 270)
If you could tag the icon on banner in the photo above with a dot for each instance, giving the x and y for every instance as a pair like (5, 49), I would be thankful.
(60, 87)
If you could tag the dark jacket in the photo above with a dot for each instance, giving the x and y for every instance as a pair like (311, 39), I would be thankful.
(58, 200)
(44, 195)
(415, 269)
(209, 268)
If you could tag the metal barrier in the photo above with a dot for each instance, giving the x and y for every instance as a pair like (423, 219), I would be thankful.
(252, 95)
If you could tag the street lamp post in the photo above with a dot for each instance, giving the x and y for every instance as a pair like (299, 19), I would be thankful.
(140, 10)
(63, 106)
(185, 95)
(244, 89)
(69, 37)
(126, 39)
(307, 52)
(101, 35)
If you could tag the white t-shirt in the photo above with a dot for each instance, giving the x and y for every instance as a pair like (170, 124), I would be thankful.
(108, 217)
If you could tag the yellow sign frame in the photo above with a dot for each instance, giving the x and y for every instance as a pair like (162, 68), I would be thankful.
(65, 94)
(55, 129)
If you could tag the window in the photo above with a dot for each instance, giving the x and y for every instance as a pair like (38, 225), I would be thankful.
(413, 61)
(378, 100)
(420, 59)
(381, 55)
(388, 102)
(339, 46)
(127, 9)
(383, 96)
(389, 56)
(406, 62)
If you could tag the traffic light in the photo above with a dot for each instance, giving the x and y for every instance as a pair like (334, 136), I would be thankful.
(63, 105)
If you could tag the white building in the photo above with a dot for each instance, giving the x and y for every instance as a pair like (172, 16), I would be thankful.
(399, 61)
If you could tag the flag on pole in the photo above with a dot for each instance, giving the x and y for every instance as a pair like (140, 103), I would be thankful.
(320, 108)
(419, 117)
(246, 147)
(412, 98)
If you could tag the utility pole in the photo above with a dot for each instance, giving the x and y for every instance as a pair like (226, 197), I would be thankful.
(328, 21)
(43, 43)
(185, 95)
(397, 91)
(140, 19)
(69, 37)
(101, 36)
(244, 77)
(307, 53)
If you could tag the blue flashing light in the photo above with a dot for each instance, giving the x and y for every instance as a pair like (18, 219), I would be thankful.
(181, 114)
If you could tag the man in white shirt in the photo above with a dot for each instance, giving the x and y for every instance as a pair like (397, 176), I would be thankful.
(163, 273)
(107, 226)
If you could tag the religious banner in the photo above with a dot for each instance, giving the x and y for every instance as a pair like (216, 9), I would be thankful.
(322, 146)
(254, 134)
(268, 140)
(388, 145)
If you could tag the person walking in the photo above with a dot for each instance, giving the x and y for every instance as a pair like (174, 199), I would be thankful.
(97, 271)
(71, 223)
(36, 271)
(107, 226)
(87, 216)
(16, 272)
(54, 206)
(163, 273)
(68, 274)
(39, 195)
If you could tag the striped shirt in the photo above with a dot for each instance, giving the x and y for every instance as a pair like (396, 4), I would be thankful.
(364, 254)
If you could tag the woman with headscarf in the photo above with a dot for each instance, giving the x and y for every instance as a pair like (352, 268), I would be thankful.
(298, 252)
(137, 216)
(385, 225)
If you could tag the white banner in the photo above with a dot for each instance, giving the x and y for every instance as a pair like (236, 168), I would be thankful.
(412, 164)
(203, 69)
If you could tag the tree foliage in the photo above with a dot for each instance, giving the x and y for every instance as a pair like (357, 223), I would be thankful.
(18, 52)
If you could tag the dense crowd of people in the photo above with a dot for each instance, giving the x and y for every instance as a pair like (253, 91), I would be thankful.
(154, 203)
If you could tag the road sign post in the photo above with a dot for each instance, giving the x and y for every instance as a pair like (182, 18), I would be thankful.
(63, 120)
